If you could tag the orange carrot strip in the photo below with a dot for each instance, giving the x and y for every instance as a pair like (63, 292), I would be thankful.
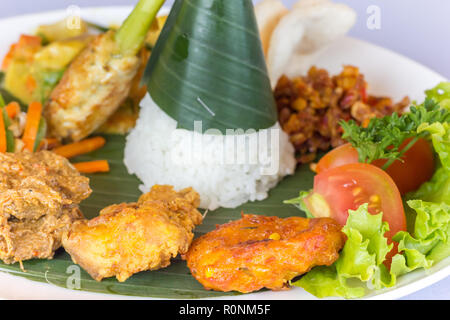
(32, 125)
(13, 109)
(3, 143)
(81, 147)
(92, 166)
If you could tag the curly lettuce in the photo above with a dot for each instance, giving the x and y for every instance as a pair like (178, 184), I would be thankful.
(440, 94)
(430, 243)
(360, 264)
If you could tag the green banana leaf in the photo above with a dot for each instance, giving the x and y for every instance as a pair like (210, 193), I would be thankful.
(174, 282)
(216, 45)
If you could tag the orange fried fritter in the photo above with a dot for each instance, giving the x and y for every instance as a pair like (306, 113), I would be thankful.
(129, 238)
(258, 252)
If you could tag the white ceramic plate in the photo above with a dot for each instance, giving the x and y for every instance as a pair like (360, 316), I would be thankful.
(387, 73)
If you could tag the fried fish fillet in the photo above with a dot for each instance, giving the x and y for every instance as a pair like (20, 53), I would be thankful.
(258, 252)
(91, 90)
(129, 238)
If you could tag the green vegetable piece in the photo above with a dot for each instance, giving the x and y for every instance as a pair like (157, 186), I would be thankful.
(42, 132)
(10, 141)
(130, 38)
(300, 203)
(440, 94)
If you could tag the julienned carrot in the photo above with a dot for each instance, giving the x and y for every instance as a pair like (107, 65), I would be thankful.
(78, 148)
(32, 125)
(92, 166)
(3, 143)
(13, 109)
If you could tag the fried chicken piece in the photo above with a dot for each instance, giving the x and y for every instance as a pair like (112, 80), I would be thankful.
(39, 197)
(91, 90)
(130, 238)
(257, 251)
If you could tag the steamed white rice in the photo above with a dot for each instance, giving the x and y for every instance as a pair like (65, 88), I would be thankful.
(226, 170)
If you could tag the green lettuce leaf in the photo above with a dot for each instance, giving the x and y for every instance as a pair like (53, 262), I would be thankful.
(324, 282)
(361, 259)
(440, 94)
(300, 203)
(440, 136)
(430, 243)
(437, 190)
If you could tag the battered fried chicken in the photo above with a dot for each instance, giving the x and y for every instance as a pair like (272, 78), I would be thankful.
(39, 197)
(130, 238)
(258, 252)
(91, 90)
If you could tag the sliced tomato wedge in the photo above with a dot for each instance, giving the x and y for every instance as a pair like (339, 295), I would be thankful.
(347, 187)
(337, 157)
(417, 165)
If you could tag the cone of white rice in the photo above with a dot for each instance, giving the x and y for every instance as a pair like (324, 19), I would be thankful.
(209, 120)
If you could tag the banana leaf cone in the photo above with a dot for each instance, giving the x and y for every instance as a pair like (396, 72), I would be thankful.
(208, 65)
